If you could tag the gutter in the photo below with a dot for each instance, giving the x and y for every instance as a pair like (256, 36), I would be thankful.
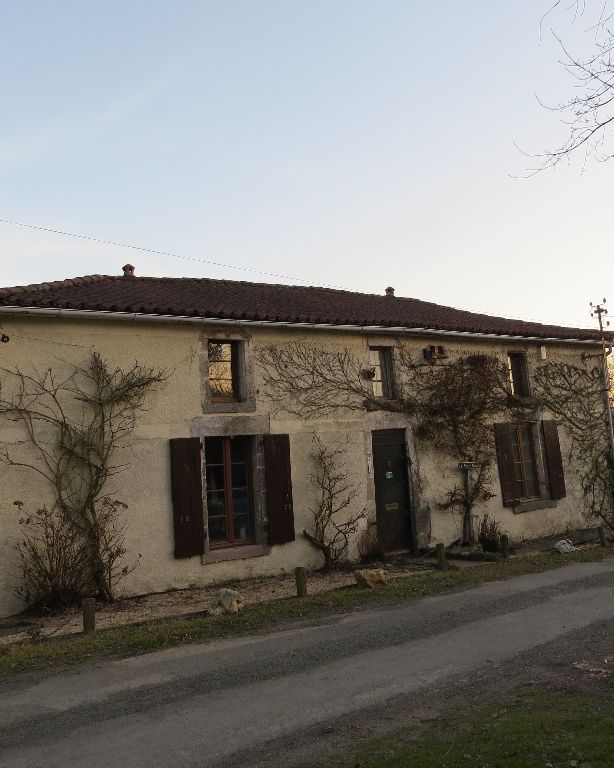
(88, 314)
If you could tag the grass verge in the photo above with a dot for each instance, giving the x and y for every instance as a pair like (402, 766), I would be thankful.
(537, 729)
(269, 616)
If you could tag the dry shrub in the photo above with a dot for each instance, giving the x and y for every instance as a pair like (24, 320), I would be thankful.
(489, 533)
(369, 546)
(53, 560)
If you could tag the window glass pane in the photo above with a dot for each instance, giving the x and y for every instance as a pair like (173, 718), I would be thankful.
(532, 487)
(527, 443)
(217, 529)
(221, 389)
(375, 361)
(380, 359)
(525, 465)
(240, 501)
(239, 476)
(215, 478)
(219, 351)
(238, 448)
(221, 370)
(374, 356)
(213, 450)
(519, 380)
(242, 527)
(515, 446)
(216, 503)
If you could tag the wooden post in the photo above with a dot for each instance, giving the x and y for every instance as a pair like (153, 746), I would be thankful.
(441, 556)
(602, 539)
(504, 546)
(89, 616)
(301, 582)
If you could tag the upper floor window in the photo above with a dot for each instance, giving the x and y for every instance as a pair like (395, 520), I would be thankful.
(382, 381)
(223, 370)
(519, 374)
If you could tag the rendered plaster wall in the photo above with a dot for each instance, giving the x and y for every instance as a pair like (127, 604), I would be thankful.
(179, 409)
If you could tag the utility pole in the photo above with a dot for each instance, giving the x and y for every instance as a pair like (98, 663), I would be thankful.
(598, 311)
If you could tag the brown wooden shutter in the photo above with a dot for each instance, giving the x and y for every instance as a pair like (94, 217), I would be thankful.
(505, 460)
(278, 477)
(187, 487)
(554, 461)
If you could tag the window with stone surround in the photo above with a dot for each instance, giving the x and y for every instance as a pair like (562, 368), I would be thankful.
(530, 463)
(227, 376)
(382, 380)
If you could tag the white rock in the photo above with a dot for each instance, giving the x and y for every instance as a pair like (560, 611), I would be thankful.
(564, 546)
(226, 601)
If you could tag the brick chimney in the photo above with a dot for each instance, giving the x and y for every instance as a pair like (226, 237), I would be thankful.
(128, 270)
(390, 291)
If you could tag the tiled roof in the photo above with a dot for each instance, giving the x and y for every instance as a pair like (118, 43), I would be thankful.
(227, 299)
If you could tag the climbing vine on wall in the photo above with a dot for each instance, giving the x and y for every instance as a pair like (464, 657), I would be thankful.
(575, 397)
(453, 404)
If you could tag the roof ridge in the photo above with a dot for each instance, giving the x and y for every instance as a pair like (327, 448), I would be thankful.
(47, 286)
(243, 299)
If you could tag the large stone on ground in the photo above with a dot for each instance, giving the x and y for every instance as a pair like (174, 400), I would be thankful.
(371, 577)
(226, 601)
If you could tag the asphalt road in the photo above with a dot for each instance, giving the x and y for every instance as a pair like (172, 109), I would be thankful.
(200, 705)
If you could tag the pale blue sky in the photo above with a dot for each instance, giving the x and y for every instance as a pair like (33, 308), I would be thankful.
(360, 144)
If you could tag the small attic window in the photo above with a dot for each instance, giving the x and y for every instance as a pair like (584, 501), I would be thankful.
(518, 373)
(224, 370)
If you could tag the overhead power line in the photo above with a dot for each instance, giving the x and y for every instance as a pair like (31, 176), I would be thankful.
(157, 252)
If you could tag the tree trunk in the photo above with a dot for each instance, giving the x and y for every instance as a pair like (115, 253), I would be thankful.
(325, 550)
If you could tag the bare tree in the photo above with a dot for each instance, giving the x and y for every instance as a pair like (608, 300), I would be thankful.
(589, 112)
(74, 425)
(334, 521)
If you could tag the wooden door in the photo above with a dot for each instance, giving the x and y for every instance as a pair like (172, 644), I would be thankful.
(390, 469)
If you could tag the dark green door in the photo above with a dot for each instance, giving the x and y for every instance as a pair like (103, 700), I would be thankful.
(390, 471)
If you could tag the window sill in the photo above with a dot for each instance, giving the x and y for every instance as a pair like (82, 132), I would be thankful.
(239, 552)
(530, 506)
(229, 406)
(522, 401)
(393, 404)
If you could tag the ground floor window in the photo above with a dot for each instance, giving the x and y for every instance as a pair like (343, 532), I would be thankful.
(530, 462)
(525, 465)
(228, 490)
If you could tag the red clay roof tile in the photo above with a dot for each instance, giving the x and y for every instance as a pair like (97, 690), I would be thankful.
(234, 300)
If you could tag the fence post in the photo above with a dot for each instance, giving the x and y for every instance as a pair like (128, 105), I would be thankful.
(441, 556)
(301, 581)
(89, 616)
(504, 546)
(602, 539)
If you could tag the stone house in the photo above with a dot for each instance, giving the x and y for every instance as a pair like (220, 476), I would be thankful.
(218, 484)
